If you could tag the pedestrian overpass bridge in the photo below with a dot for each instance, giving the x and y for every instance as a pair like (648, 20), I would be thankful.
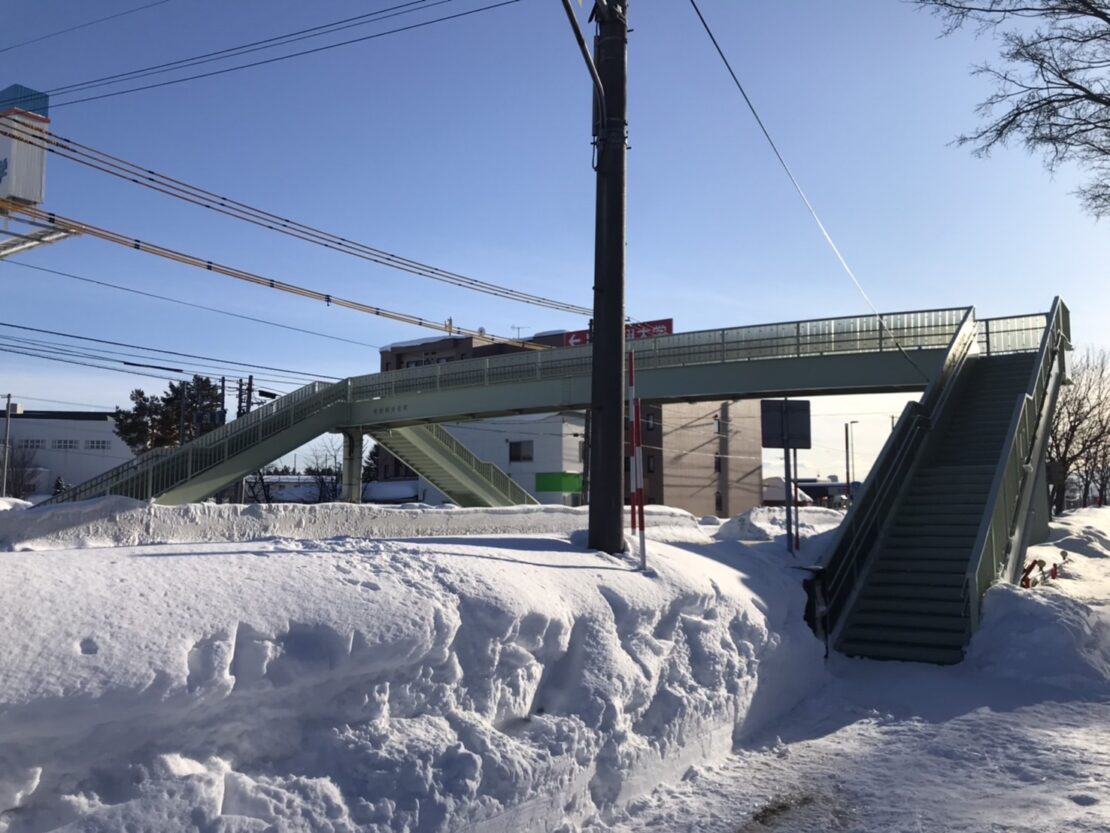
(944, 511)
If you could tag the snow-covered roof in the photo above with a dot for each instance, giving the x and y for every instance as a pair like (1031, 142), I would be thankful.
(416, 342)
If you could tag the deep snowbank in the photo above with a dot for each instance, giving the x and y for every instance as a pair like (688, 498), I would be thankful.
(1058, 633)
(1016, 738)
(123, 522)
(7, 503)
(465, 683)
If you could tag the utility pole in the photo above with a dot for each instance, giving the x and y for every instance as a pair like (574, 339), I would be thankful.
(7, 442)
(608, 385)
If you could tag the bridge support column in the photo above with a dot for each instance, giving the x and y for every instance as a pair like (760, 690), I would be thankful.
(352, 466)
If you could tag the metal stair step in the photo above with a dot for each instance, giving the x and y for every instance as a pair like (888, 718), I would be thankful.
(886, 592)
(899, 580)
(905, 635)
(896, 566)
(938, 655)
(904, 619)
(928, 607)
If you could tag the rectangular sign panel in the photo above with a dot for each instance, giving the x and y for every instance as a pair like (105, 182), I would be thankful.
(785, 423)
(632, 332)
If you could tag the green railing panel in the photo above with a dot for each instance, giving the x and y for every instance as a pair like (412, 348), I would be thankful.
(999, 544)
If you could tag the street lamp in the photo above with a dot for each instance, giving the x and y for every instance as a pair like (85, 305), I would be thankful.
(849, 453)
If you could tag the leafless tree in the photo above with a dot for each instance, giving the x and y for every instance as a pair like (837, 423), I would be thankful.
(259, 488)
(325, 467)
(1052, 85)
(1081, 424)
(22, 471)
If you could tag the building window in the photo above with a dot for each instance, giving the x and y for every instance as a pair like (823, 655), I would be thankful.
(31, 444)
(520, 451)
(717, 463)
(718, 502)
(63, 445)
(98, 445)
(651, 464)
(651, 422)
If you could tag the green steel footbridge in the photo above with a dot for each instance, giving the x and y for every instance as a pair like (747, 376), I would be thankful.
(949, 506)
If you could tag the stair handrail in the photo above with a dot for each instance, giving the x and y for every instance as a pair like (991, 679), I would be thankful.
(845, 562)
(999, 541)
(490, 472)
(307, 397)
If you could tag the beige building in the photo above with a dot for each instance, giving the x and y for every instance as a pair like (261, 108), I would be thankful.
(704, 457)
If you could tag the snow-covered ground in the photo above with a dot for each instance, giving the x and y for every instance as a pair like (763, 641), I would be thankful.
(333, 668)
(1016, 738)
(334, 682)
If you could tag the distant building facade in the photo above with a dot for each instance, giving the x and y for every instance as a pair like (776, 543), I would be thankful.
(72, 445)
(703, 457)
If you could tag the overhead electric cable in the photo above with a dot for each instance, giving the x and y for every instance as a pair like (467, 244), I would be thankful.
(83, 364)
(103, 355)
(164, 184)
(249, 277)
(798, 187)
(81, 26)
(263, 62)
(247, 365)
(154, 295)
(60, 402)
(242, 49)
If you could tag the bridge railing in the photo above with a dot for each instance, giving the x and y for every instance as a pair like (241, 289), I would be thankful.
(158, 470)
(931, 329)
(1000, 543)
(1012, 334)
(495, 476)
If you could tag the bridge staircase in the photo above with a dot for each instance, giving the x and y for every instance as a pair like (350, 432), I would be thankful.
(946, 510)
(431, 452)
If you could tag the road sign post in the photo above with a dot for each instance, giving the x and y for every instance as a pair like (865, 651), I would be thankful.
(785, 424)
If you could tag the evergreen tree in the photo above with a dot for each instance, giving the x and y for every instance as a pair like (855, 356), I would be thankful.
(184, 412)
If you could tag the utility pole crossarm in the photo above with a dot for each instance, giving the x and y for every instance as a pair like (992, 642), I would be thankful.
(22, 242)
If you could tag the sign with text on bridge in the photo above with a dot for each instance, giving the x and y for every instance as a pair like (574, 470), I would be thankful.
(632, 332)
(785, 423)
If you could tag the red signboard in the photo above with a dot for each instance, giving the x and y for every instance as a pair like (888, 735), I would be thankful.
(632, 332)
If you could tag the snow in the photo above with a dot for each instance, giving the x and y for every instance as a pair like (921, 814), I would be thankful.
(7, 503)
(120, 521)
(417, 342)
(1016, 738)
(304, 669)
(768, 523)
(333, 668)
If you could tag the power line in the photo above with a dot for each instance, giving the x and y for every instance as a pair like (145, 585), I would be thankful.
(51, 349)
(81, 26)
(24, 396)
(84, 364)
(79, 227)
(242, 49)
(246, 365)
(302, 53)
(195, 195)
(241, 316)
(798, 187)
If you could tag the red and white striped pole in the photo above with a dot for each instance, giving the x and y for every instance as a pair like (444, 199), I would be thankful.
(636, 467)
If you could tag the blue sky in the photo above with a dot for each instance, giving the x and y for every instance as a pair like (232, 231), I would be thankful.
(465, 145)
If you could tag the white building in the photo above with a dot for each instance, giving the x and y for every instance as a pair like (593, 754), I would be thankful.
(72, 445)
